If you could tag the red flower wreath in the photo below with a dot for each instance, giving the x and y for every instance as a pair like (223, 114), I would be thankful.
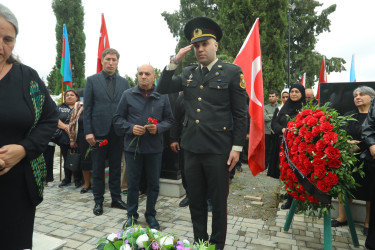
(319, 148)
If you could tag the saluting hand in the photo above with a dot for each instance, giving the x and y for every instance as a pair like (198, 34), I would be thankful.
(183, 51)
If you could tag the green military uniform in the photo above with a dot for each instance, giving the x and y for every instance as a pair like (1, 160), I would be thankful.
(215, 119)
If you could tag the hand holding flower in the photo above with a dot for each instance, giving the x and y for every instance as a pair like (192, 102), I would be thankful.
(91, 148)
(152, 129)
(138, 130)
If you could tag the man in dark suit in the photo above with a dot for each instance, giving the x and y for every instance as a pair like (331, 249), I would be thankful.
(214, 128)
(102, 95)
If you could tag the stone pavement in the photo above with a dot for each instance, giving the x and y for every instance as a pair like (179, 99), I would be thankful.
(67, 215)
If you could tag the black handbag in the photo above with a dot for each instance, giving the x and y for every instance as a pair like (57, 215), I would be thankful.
(72, 160)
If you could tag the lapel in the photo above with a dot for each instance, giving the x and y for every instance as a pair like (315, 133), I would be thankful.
(103, 84)
(214, 72)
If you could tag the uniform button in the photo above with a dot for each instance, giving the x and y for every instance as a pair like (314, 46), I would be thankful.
(218, 87)
(225, 128)
(199, 99)
(198, 110)
(201, 86)
(197, 121)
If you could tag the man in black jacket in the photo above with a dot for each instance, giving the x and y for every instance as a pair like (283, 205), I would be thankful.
(102, 95)
(214, 126)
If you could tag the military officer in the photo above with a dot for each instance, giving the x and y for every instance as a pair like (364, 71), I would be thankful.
(214, 127)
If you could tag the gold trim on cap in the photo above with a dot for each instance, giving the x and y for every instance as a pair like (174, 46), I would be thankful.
(202, 36)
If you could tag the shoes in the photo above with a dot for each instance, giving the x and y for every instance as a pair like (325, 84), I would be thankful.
(152, 222)
(78, 184)
(287, 204)
(49, 184)
(119, 204)
(64, 183)
(365, 231)
(130, 222)
(336, 223)
(184, 202)
(283, 196)
(85, 190)
(209, 205)
(98, 209)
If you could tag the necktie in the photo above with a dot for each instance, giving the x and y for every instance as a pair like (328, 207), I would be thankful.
(111, 89)
(204, 71)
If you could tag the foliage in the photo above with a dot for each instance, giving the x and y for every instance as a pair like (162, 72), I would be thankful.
(135, 237)
(318, 146)
(306, 26)
(236, 19)
(70, 13)
(52, 79)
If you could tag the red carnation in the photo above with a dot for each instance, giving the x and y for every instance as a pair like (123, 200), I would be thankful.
(308, 136)
(305, 112)
(318, 113)
(320, 171)
(311, 148)
(317, 162)
(302, 131)
(326, 127)
(330, 138)
(302, 147)
(154, 121)
(334, 163)
(332, 153)
(103, 143)
(320, 145)
(312, 121)
(331, 178)
(316, 130)
(323, 186)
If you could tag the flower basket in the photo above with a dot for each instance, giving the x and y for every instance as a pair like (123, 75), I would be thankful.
(136, 238)
(317, 145)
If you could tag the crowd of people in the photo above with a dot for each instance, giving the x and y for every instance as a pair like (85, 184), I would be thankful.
(208, 129)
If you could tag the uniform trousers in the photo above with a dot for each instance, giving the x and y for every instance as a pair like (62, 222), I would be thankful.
(208, 173)
(113, 150)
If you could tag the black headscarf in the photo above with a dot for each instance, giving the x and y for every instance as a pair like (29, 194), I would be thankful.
(291, 107)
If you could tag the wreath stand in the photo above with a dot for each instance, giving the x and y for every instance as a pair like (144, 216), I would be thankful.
(327, 223)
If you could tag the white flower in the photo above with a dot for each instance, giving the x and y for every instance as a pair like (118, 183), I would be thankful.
(154, 231)
(125, 247)
(141, 239)
(166, 240)
(112, 237)
(186, 242)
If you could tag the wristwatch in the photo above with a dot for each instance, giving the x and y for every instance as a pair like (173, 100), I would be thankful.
(174, 60)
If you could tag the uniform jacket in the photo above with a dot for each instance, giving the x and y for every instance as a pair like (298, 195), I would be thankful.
(99, 106)
(134, 109)
(215, 107)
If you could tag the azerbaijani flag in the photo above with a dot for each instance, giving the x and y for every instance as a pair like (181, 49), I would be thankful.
(352, 71)
(65, 69)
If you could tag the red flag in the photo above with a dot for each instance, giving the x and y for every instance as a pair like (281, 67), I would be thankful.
(103, 44)
(322, 75)
(249, 59)
(303, 81)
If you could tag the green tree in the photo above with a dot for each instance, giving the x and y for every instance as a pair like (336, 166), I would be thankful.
(70, 13)
(306, 25)
(53, 78)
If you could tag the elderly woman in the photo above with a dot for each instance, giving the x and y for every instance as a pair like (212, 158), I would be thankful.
(65, 112)
(28, 120)
(290, 109)
(362, 100)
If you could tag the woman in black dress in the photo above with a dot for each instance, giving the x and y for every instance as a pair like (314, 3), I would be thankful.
(362, 100)
(290, 109)
(28, 121)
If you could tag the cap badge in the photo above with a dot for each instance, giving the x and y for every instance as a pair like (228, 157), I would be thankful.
(197, 32)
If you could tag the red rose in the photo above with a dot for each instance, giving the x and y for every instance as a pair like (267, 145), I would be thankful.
(149, 120)
(332, 153)
(154, 121)
(326, 127)
(334, 163)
